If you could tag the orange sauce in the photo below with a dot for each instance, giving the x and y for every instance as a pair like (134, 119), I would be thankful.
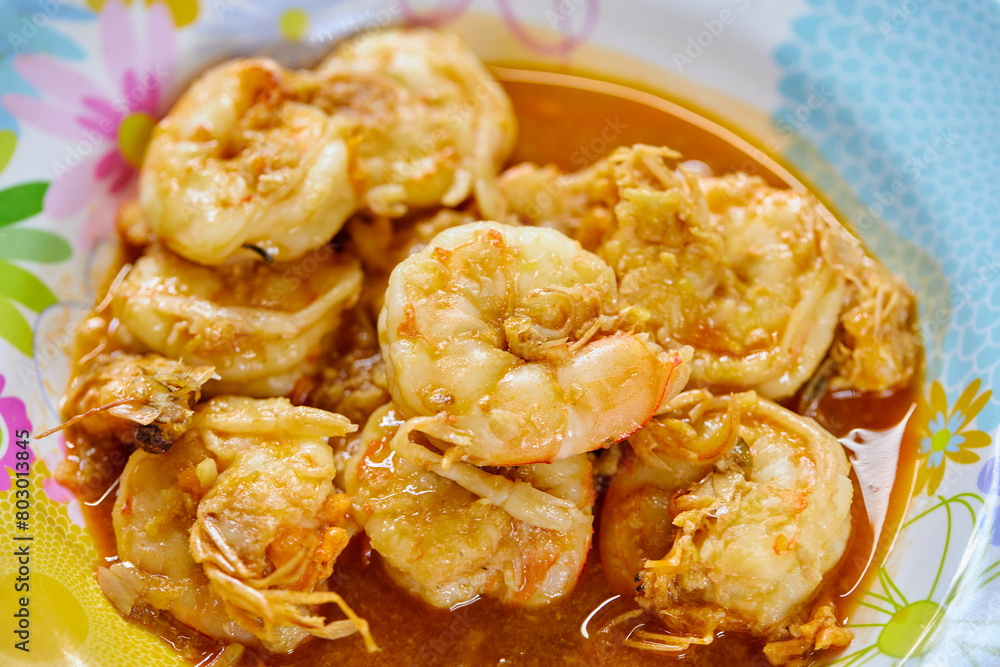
(573, 122)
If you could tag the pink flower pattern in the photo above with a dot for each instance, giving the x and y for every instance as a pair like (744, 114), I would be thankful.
(106, 130)
(15, 420)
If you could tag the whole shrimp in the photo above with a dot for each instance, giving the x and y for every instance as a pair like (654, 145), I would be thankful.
(243, 158)
(760, 281)
(256, 323)
(506, 346)
(235, 529)
(447, 544)
(351, 372)
(728, 515)
(435, 125)
(257, 155)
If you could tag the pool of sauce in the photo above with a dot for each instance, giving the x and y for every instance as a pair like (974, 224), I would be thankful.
(572, 122)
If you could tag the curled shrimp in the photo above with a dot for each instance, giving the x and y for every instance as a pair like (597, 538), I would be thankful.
(752, 526)
(773, 233)
(245, 158)
(758, 280)
(256, 323)
(448, 542)
(351, 371)
(235, 529)
(506, 346)
(435, 125)
(254, 154)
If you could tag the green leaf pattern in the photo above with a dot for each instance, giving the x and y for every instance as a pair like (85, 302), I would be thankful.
(8, 141)
(21, 201)
(34, 245)
(22, 286)
(13, 327)
(17, 284)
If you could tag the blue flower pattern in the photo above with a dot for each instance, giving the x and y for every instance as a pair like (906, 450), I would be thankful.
(27, 26)
(937, 425)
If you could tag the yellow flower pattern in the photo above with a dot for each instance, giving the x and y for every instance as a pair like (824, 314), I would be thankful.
(944, 434)
(67, 613)
(183, 11)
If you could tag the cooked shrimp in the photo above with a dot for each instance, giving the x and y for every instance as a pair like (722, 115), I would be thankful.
(351, 377)
(636, 522)
(752, 537)
(877, 347)
(119, 401)
(506, 345)
(245, 158)
(145, 400)
(435, 125)
(256, 323)
(744, 286)
(257, 155)
(447, 544)
(756, 279)
(234, 530)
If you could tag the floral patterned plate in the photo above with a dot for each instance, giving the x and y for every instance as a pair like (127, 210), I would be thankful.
(887, 109)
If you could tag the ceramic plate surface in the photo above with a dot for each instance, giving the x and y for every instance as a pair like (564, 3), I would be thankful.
(887, 109)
